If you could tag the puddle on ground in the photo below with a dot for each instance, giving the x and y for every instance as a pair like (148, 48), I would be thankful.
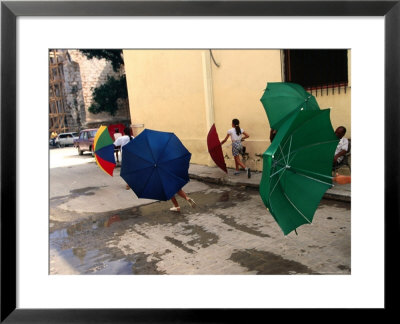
(268, 263)
(179, 244)
(202, 237)
(231, 222)
(95, 262)
(87, 191)
(344, 267)
(156, 213)
(83, 244)
(59, 234)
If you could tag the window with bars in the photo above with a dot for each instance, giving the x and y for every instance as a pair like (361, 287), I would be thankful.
(317, 70)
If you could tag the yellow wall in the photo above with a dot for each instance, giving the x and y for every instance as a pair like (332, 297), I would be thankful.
(239, 84)
(166, 93)
(184, 92)
(340, 108)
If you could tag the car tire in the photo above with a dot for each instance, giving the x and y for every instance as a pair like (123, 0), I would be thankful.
(80, 152)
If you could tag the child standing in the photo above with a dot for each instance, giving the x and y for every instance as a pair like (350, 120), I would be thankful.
(237, 135)
(121, 141)
(117, 135)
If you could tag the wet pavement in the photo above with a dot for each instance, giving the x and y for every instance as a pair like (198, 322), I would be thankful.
(229, 232)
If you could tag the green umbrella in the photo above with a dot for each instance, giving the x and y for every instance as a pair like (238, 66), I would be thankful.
(297, 168)
(281, 99)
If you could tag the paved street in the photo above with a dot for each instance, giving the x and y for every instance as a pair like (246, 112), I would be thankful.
(98, 227)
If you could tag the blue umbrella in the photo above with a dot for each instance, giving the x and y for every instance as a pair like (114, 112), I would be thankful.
(155, 165)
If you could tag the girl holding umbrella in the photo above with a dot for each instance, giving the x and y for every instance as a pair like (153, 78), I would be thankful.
(176, 207)
(237, 135)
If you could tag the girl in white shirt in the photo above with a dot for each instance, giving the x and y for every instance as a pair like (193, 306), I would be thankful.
(121, 141)
(237, 135)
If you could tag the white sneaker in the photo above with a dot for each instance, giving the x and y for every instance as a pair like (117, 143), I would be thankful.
(191, 202)
(175, 209)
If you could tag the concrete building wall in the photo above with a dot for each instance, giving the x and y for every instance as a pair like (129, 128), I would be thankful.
(239, 83)
(339, 104)
(166, 93)
(185, 92)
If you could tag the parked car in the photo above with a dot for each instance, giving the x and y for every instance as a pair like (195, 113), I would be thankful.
(65, 139)
(84, 143)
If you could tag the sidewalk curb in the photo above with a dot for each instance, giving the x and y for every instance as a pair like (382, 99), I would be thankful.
(334, 196)
(224, 181)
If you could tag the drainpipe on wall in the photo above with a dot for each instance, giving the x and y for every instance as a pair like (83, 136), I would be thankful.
(208, 94)
(208, 90)
(283, 66)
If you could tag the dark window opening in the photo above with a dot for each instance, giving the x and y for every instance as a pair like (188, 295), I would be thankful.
(317, 70)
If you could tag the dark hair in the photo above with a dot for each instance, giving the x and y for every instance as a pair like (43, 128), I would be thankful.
(127, 131)
(235, 122)
(117, 130)
(344, 129)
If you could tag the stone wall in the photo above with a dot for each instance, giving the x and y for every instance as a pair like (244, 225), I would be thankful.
(82, 75)
(95, 72)
(73, 93)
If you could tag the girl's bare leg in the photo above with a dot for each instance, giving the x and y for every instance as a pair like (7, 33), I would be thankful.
(238, 162)
(173, 199)
(187, 198)
(182, 194)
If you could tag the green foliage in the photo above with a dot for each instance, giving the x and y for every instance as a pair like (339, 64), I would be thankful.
(112, 55)
(105, 97)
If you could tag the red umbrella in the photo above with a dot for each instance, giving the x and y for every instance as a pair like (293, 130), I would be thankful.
(215, 149)
(113, 127)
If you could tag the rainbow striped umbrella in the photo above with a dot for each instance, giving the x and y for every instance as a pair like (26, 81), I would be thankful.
(104, 150)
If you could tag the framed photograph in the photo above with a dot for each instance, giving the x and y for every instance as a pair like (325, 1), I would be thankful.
(371, 29)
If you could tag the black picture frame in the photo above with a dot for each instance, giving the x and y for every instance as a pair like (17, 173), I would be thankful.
(10, 10)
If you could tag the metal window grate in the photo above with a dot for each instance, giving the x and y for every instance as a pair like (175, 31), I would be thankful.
(321, 72)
